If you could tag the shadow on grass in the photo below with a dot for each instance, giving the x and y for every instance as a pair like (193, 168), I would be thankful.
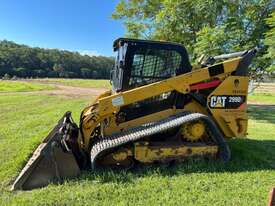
(262, 112)
(247, 155)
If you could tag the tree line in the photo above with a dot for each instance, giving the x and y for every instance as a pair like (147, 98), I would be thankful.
(24, 61)
(205, 26)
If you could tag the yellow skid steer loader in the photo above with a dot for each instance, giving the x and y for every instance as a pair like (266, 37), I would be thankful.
(160, 109)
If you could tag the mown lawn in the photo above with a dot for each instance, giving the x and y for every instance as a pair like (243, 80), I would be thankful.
(267, 98)
(246, 180)
(96, 83)
(17, 86)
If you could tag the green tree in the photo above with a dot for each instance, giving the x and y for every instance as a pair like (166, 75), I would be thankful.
(21, 72)
(270, 42)
(58, 68)
(26, 61)
(85, 73)
(203, 26)
(6, 77)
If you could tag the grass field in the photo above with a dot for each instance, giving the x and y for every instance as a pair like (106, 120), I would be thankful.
(79, 82)
(16, 86)
(267, 98)
(246, 180)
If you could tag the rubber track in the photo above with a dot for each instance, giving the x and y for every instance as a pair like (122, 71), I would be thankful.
(137, 133)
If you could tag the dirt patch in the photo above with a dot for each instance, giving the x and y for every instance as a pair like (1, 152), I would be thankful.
(74, 91)
(64, 90)
(264, 87)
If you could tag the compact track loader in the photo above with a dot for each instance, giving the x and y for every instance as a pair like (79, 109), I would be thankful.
(160, 109)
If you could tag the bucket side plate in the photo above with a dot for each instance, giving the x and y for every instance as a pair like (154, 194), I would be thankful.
(49, 161)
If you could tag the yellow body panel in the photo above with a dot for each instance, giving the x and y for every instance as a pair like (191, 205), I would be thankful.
(233, 122)
(179, 83)
(148, 154)
(103, 112)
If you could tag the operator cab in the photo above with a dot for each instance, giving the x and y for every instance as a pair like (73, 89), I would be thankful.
(141, 62)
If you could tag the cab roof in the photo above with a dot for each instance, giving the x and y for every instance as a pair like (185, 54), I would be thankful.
(120, 41)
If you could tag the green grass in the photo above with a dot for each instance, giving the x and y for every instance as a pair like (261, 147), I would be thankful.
(267, 98)
(16, 86)
(80, 82)
(246, 180)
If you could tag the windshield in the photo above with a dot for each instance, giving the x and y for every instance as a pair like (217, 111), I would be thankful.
(117, 72)
(153, 64)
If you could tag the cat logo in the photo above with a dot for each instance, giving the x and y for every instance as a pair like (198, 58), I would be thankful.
(218, 101)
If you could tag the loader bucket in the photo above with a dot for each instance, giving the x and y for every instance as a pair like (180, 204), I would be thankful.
(50, 161)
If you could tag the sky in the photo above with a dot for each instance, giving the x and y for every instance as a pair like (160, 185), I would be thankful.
(77, 25)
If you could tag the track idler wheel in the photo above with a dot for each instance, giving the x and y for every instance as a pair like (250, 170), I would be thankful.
(193, 131)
